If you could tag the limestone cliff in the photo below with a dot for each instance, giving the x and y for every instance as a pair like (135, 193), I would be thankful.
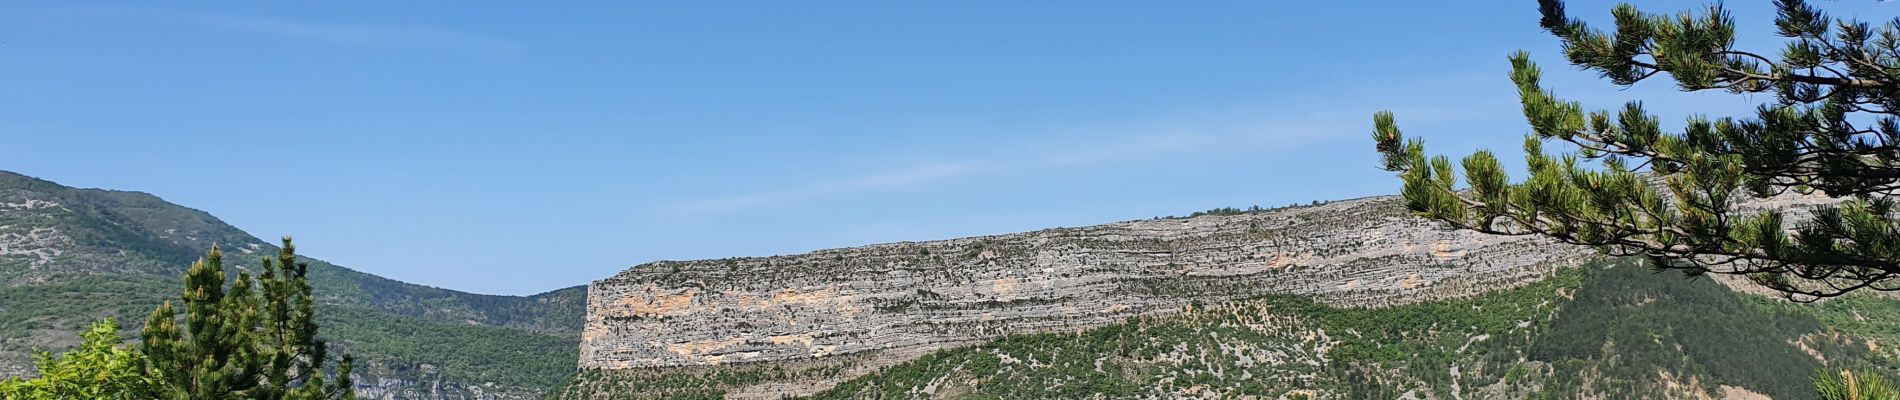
(905, 298)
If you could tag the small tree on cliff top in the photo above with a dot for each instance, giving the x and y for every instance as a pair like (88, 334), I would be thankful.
(1831, 129)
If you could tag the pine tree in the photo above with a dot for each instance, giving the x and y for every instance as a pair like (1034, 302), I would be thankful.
(1851, 386)
(1629, 188)
(256, 340)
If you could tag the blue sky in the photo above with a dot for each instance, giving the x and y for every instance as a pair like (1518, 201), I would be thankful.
(513, 148)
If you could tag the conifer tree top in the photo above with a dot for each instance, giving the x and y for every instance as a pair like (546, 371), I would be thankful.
(1624, 185)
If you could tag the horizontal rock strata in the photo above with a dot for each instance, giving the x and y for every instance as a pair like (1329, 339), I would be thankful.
(932, 294)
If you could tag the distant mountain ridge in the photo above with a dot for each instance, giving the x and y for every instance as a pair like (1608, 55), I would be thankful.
(69, 256)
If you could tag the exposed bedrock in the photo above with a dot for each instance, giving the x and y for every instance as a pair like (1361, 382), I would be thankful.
(932, 294)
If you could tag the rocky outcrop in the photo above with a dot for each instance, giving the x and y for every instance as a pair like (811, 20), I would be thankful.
(932, 294)
(426, 383)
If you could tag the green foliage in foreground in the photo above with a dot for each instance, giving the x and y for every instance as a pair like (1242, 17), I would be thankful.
(1829, 124)
(1851, 386)
(255, 339)
(100, 368)
(249, 337)
(385, 345)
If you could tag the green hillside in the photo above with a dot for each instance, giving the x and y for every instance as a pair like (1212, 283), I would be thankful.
(1594, 332)
(71, 256)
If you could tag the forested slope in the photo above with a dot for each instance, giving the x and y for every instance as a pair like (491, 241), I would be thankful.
(70, 256)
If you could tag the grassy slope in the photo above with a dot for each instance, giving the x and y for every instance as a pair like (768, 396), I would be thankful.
(128, 249)
(1617, 332)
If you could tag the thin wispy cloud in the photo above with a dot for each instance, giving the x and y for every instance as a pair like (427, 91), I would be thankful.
(339, 34)
(1109, 149)
(898, 177)
(362, 34)
(1123, 148)
(1231, 133)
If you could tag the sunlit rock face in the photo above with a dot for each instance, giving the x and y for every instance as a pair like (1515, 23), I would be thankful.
(917, 295)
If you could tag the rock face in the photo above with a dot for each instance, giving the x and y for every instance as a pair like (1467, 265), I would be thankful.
(427, 384)
(920, 295)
